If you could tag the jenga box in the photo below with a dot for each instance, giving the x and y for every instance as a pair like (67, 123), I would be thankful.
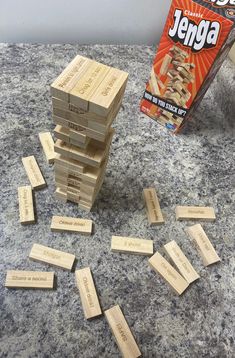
(196, 39)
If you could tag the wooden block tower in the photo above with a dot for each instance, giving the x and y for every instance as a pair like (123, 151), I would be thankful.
(86, 97)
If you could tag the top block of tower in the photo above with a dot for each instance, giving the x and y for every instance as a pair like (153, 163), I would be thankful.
(90, 85)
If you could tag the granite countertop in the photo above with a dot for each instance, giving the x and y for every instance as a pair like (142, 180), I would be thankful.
(194, 168)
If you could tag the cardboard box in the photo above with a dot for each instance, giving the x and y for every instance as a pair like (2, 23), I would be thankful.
(197, 37)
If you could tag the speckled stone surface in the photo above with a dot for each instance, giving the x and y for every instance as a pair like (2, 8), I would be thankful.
(194, 168)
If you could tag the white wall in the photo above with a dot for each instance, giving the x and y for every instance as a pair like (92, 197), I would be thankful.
(87, 21)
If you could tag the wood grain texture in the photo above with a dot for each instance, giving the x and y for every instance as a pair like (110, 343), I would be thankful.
(181, 261)
(91, 155)
(68, 136)
(51, 256)
(88, 295)
(65, 82)
(29, 279)
(131, 245)
(70, 163)
(203, 244)
(63, 223)
(153, 209)
(33, 172)
(174, 279)
(107, 93)
(122, 333)
(48, 146)
(195, 213)
(26, 208)
(87, 132)
(86, 86)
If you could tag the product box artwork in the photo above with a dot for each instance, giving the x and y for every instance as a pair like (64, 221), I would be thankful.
(196, 39)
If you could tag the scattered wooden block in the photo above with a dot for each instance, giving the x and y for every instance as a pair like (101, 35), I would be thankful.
(122, 333)
(29, 279)
(203, 244)
(152, 206)
(48, 146)
(181, 261)
(162, 266)
(33, 172)
(89, 298)
(195, 213)
(61, 223)
(131, 245)
(51, 256)
(26, 209)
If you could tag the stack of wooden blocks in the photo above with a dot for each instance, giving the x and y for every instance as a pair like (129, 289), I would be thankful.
(86, 98)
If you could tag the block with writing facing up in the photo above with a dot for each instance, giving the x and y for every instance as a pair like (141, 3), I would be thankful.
(181, 261)
(63, 223)
(48, 146)
(34, 173)
(26, 209)
(203, 244)
(29, 279)
(162, 266)
(132, 245)
(152, 207)
(122, 333)
(195, 213)
(65, 82)
(51, 256)
(89, 298)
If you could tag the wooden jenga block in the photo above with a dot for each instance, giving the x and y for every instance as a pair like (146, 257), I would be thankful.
(107, 93)
(181, 261)
(26, 209)
(33, 172)
(152, 207)
(63, 84)
(88, 295)
(86, 86)
(122, 333)
(51, 256)
(131, 245)
(80, 130)
(154, 84)
(195, 213)
(79, 116)
(162, 266)
(203, 244)
(48, 146)
(165, 64)
(61, 223)
(64, 134)
(91, 157)
(61, 195)
(70, 163)
(29, 279)
(178, 51)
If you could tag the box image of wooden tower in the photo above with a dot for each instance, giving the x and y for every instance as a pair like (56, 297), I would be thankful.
(86, 97)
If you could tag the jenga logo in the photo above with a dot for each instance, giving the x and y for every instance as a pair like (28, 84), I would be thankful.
(196, 36)
(221, 3)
